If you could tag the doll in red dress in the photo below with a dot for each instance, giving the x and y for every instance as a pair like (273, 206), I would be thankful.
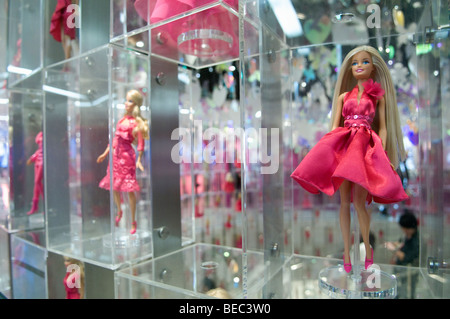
(131, 129)
(38, 161)
(59, 27)
(74, 278)
(358, 156)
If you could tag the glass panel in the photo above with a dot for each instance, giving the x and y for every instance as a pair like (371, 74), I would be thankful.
(23, 192)
(125, 17)
(85, 99)
(200, 271)
(129, 16)
(5, 202)
(24, 48)
(28, 262)
(433, 60)
(266, 118)
(5, 263)
(206, 36)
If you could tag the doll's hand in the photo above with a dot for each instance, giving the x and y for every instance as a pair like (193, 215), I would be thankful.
(393, 168)
(29, 161)
(101, 158)
(139, 165)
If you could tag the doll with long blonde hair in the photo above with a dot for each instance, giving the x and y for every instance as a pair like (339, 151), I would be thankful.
(131, 129)
(359, 155)
(74, 278)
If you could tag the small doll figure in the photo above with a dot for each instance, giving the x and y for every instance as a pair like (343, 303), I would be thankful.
(59, 27)
(131, 129)
(74, 278)
(358, 156)
(37, 159)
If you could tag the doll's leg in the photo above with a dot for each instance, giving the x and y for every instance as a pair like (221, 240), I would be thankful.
(116, 197)
(65, 41)
(38, 184)
(132, 197)
(359, 202)
(38, 190)
(344, 217)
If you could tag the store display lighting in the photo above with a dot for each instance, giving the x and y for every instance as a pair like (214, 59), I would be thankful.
(18, 70)
(287, 17)
(58, 91)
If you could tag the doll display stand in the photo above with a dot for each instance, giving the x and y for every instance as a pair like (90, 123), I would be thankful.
(360, 283)
(122, 238)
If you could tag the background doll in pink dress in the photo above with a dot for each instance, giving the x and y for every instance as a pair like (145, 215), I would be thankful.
(131, 129)
(37, 159)
(359, 155)
(74, 279)
(60, 29)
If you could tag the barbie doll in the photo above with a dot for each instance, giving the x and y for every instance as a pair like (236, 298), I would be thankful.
(74, 279)
(131, 128)
(38, 174)
(358, 156)
(59, 28)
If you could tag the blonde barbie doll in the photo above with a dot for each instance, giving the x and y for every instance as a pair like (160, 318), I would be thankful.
(130, 129)
(359, 154)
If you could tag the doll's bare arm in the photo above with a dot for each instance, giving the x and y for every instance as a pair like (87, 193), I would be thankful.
(338, 114)
(102, 156)
(32, 158)
(138, 161)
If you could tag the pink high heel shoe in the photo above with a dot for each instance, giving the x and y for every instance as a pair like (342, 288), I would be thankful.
(369, 262)
(118, 218)
(133, 229)
(347, 266)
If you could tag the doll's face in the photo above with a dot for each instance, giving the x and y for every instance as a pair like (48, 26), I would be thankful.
(362, 65)
(129, 104)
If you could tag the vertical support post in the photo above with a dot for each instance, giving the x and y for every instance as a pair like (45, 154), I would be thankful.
(165, 174)
(271, 121)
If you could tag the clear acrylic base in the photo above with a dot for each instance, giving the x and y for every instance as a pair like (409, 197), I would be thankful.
(358, 284)
(123, 239)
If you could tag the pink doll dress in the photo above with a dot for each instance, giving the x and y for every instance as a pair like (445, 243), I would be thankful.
(59, 19)
(124, 157)
(69, 284)
(38, 160)
(353, 152)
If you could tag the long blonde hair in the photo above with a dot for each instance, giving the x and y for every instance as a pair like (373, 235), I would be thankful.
(346, 82)
(138, 99)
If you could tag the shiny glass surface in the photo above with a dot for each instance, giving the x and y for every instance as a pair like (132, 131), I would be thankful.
(204, 35)
(85, 96)
(196, 271)
(286, 81)
(255, 82)
(23, 59)
(433, 89)
(29, 265)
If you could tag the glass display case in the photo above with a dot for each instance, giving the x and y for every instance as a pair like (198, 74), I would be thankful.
(85, 99)
(286, 79)
(25, 48)
(29, 265)
(235, 94)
